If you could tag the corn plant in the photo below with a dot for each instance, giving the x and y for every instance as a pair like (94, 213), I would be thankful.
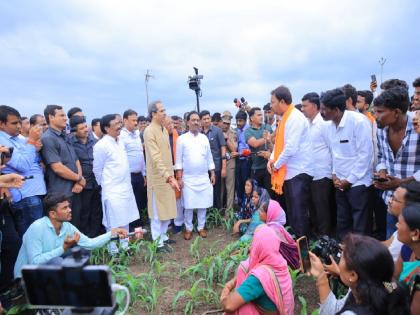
(229, 220)
(214, 218)
(194, 249)
(194, 296)
(158, 268)
(149, 292)
(151, 251)
(295, 275)
(304, 309)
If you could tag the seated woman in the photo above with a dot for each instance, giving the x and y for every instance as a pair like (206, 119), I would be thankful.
(366, 267)
(262, 284)
(275, 217)
(408, 229)
(247, 208)
(246, 227)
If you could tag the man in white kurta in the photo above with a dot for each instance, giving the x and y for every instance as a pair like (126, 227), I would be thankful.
(193, 163)
(112, 172)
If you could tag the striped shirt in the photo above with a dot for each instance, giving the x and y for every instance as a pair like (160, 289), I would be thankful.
(406, 162)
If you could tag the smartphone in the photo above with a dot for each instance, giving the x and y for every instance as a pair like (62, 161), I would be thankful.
(305, 262)
(373, 78)
(28, 177)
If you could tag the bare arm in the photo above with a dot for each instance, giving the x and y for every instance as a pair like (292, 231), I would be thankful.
(64, 172)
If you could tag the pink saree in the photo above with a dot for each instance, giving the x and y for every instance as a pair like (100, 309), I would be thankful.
(270, 268)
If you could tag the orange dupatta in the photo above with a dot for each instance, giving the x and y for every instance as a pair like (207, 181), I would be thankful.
(277, 177)
(174, 138)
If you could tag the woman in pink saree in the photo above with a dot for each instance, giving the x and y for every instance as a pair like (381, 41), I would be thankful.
(262, 285)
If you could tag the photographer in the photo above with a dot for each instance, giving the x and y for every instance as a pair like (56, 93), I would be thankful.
(366, 267)
(51, 236)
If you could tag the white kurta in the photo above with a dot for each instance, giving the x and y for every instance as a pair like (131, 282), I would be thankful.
(112, 172)
(193, 156)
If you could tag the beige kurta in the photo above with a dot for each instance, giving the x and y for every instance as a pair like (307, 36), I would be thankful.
(159, 167)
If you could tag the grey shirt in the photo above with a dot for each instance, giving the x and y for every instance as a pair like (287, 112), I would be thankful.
(57, 147)
(217, 140)
(84, 152)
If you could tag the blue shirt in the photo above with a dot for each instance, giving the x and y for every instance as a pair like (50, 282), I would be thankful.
(25, 161)
(242, 144)
(41, 243)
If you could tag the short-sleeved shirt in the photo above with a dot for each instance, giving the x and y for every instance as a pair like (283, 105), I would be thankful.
(84, 152)
(251, 290)
(57, 147)
(217, 140)
(258, 162)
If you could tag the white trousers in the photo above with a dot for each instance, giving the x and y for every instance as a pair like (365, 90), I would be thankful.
(179, 220)
(201, 218)
(158, 227)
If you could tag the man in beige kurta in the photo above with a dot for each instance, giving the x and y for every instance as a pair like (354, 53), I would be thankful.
(160, 176)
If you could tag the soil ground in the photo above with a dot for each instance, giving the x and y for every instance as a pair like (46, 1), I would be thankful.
(180, 259)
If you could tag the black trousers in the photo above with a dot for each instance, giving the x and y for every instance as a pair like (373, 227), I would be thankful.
(140, 193)
(323, 210)
(297, 191)
(217, 190)
(10, 245)
(352, 211)
(243, 172)
(91, 212)
(379, 214)
(76, 210)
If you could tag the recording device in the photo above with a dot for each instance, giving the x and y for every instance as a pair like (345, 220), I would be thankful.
(326, 247)
(195, 80)
(6, 155)
(194, 83)
(305, 262)
(137, 234)
(241, 103)
(73, 285)
(373, 78)
(28, 177)
(379, 179)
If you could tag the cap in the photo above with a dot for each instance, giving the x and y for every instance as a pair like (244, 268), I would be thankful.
(227, 113)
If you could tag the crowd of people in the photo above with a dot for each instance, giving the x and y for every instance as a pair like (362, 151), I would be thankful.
(345, 163)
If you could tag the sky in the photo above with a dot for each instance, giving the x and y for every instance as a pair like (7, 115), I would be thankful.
(94, 54)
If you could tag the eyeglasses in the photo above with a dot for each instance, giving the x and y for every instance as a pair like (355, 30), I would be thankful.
(395, 199)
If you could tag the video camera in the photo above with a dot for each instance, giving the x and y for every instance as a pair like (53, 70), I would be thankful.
(326, 246)
(195, 81)
(73, 285)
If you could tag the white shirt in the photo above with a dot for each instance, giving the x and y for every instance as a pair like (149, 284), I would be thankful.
(112, 172)
(352, 149)
(296, 153)
(134, 148)
(320, 151)
(193, 156)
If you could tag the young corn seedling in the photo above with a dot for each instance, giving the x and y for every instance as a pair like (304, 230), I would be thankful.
(194, 249)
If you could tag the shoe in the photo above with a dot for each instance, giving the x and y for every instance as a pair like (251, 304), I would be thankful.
(202, 233)
(176, 229)
(187, 235)
(169, 241)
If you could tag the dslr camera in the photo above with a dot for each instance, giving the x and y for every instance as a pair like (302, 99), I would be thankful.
(241, 103)
(326, 247)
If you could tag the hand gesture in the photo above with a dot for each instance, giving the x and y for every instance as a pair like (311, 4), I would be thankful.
(70, 242)
(11, 181)
(122, 233)
(333, 268)
(317, 268)
(35, 133)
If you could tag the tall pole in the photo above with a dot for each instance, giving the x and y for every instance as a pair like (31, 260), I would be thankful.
(146, 82)
(198, 100)
(382, 62)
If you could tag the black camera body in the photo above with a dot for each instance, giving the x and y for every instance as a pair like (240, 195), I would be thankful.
(241, 103)
(195, 81)
(326, 247)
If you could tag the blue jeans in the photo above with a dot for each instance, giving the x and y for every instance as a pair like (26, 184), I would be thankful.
(26, 212)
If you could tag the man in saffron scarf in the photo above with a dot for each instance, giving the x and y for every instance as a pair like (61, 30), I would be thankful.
(262, 284)
(290, 161)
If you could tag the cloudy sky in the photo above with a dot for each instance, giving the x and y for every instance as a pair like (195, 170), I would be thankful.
(94, 54)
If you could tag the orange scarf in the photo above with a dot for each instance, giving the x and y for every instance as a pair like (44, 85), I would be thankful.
(370, 117)
(277, 177)
(174, 138)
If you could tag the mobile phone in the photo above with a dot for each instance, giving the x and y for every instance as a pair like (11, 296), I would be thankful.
(379, 179)
(28, 177)
(305, 262)
(373, 78)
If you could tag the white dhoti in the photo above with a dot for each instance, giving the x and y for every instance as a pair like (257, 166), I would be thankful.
(179, 220)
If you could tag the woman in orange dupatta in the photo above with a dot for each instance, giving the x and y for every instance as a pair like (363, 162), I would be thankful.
(262, 285)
